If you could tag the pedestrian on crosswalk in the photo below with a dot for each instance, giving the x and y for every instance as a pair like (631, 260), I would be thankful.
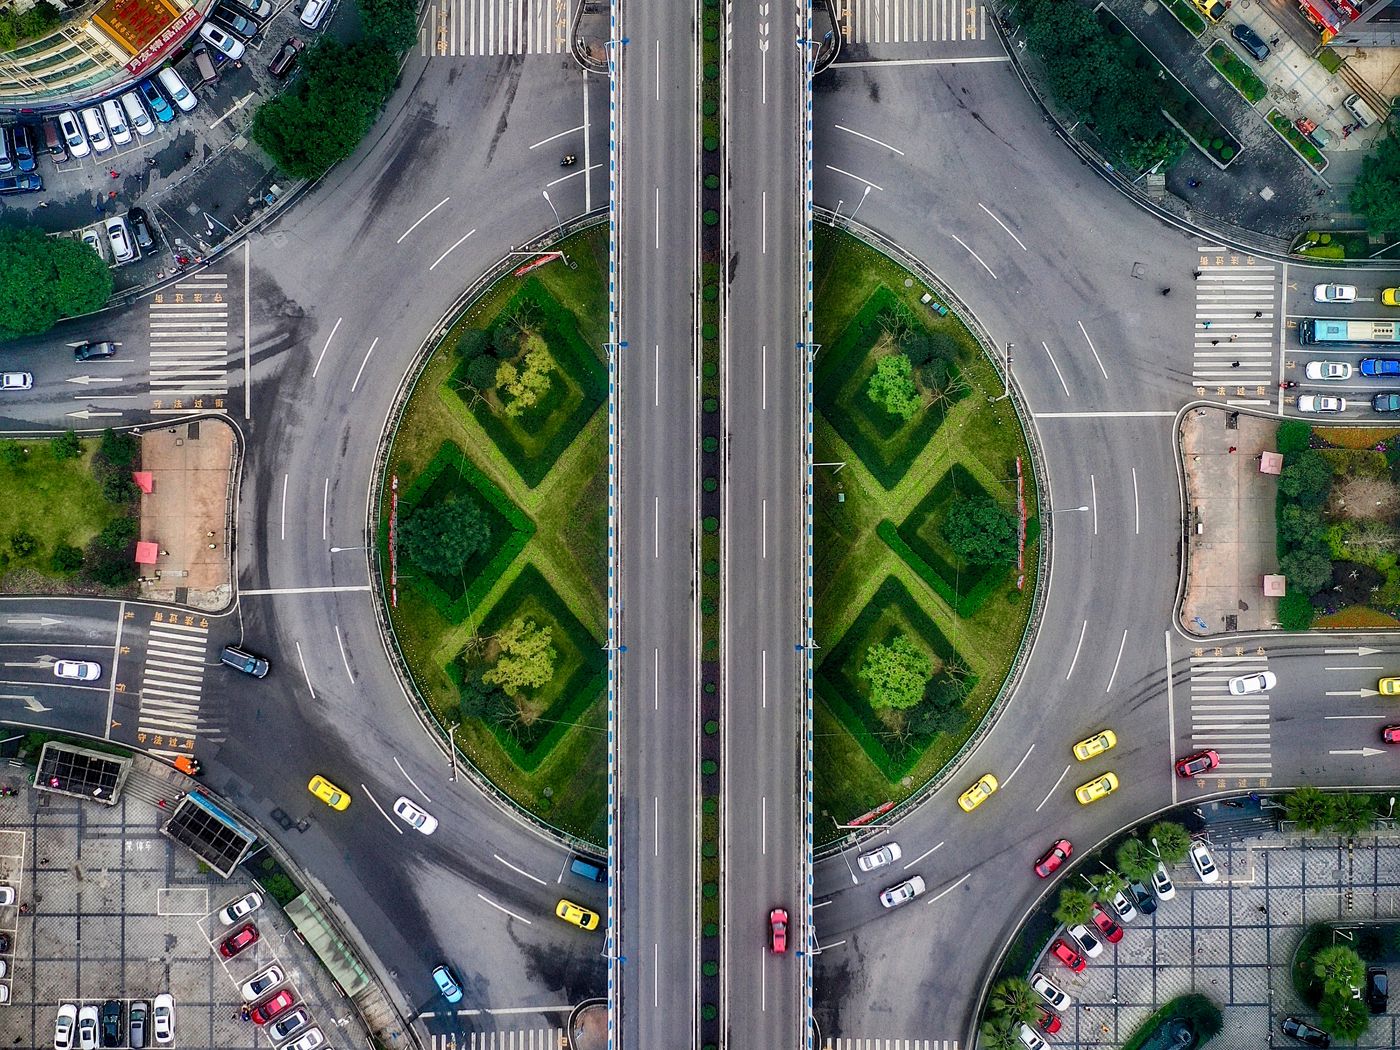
(1205, 324)
(1258, 314)
(1215, 342)
(1195, 275)
(1234, 337)
(1234, 364)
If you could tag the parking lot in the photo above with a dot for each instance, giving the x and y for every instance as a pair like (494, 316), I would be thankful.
(1233, 942)
(112, 910)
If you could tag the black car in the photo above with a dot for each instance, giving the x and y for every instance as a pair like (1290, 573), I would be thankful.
(12, 184)
(1146, 901)
(112, 1023)
(235, 23)
(1377, 986)
(1386, 403)
(141, 227)
(1250, 41)
(86, 351)
(1306, 1032)
(285, 58)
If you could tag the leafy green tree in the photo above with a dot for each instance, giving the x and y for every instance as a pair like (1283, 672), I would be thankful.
(1339, 969)
(505, 339)
(43, 279)
(1293, 436)
(892, 386)
(897, 673)
(12, 454)
(1307, 568)
(67, 558)
(526, 659)
(322, 117)
(473, 343)
(1344, 1017)
(1074, 906)
(478, 698)
(440, 538)
(23, 543)
(525, 385)
(925, 348)
(1107, 883)
(1203, 1016)
(120, 450)
(1295, 611)
(1308, 479)
(1377, 191)
(999, 1032)
(1172, 840)
(481, 372)
(391, 23)
(981, 531)
(1300, 526)
(1013, 998)
(66, 446)
(1353, 814)
(1135, 859)
(1308, 807)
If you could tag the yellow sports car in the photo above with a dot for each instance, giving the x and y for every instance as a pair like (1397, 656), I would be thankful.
(978, 793)
(328, 793)
(1096, 789)
(577, 914)
(1389, 297)
(1389, 686)
(1095, 745)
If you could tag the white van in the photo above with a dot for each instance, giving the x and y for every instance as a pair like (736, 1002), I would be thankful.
(137, 116)
(72, 130)
(1361, 111)
(313, 12)
(96, 133)
(175, 88)
(116, 122)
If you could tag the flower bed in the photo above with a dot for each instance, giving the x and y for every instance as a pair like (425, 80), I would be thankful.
(1232, 68)
(1301, 144)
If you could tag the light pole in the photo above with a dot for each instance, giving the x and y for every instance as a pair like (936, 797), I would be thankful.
(1076, 510)
(854, 881)
(452, 746)
(856, 210)
(1156, 852)
(337, 550)
(557, 222)
(1391, 809)
(1005, 377)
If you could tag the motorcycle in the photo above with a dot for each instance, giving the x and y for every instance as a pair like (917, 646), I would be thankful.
(568, 161)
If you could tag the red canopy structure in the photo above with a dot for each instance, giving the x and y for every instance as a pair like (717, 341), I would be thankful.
(145, 481)
(147, 552)
(1270, 463)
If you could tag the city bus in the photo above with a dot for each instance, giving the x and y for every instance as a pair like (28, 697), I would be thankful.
(1335, 330)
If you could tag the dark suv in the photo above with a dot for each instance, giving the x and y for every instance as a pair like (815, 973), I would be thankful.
(86, 351)
(1306, 1032)
(112, 1034)
(1377, 989)
(1250, 41)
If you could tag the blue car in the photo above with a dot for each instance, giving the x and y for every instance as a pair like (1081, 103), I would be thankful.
(156, 101)
(1380, 366)
(447, 985)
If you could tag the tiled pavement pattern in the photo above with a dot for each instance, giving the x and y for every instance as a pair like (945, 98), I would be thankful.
(119, 912)
(1233, 942)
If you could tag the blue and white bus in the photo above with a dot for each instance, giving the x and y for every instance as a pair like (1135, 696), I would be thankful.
(1335, 330)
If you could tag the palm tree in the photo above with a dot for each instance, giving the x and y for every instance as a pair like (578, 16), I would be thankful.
(1308, 807)
(1014, 998)
(1075, 906)
(1340, 969)
(1135, 860)
(1343, 1016)
(1353, 814)
(1172, 840)
(1107, 883)
(999, 1033)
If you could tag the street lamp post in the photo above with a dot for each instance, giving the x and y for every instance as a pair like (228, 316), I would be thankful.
(557, 222)
(452, 746)
(1075, 510)
(854, 881)
(856, 210)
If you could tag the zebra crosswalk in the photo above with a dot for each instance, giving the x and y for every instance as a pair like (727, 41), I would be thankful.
(1235, 328)
(912, 21)
(1237, 728)
(495, 27)
(523, 1039)
(172, 680)
(187, 327)
(890, 1044)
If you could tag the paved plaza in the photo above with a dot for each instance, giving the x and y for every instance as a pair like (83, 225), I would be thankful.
(1233, 942)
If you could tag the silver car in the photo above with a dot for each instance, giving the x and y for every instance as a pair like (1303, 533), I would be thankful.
(1322, 404)
(879, 858)
(1327, 371)
(903, 893)
(16, 380)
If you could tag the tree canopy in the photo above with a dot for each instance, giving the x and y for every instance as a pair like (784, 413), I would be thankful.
(980, 530)
(391, 23)
(440, 538)
(1308, 479)
(892, 386)
(1172, 840)
(525, 385)
(1376, 194)
(44, 279)
(526, 659)
(897, 673)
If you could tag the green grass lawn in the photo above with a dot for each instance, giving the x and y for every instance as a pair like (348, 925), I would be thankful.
(853, 564)
(55, 502)
(566, 783)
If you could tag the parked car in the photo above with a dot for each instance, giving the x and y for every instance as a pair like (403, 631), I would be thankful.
(1301, 1030)
(1067, 955)
(150, 94)
(1047, 1020)
(116, 122)
(137, 1017)
(1198, 763)
(1088, 942)
(1319, 404)
(261, 982)
(1253, 683)
(12, 184)
(220, 39)
(96, 131)
(1386, 403)
(1104, 923)
(286, 58)
(240, 940)
(24, 147)
(272, 1006)
(287, 1024)
(777, 930)
(1025, 1034)
(141, 228)
(1203, 862)
(1327, 371)
(65, 1027)
(1212, 9)
(163, 1019)
(1322, 293)
(1122, 905)
(87, 1028)
(1050, 863)
(311, 1039)
(73, 134)
(119, 236)
(1162, 883)
(94, 240)
(1051, 992)
(259, 9)
(112, 1034)
(313, 12)
(903, 893)
(1146, 900)
(16, 380)
(136, 115)
(182, 96)
(447, 984)
(879, 858)
(237, 24)
(1252, 42)
(1377, 989)
(240, 909)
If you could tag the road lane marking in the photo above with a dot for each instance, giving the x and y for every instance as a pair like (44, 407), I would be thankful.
(325, 506)
(512, 867)
(498, 907)
(112, 676)
(765, 528)
(763, 825)
(545, 142)
(1019, 765)
(1054, 786)
(1114, 675)
(302, 661)
(950, 889)
(1063, 385)
(1082, 631)
(420, 222)
(922, 855)
(305, 590)
(859, 135)
(1137, 513)
(1094, 501)
(1085, 333)
(361, 372)
(988, 269)
(284, 505)
(392, 823)
(1097, 415)
(411, 780)
(656, 527)
(859, 178)
(455, 245)
(656, 679)
(322, 356)
(344, 659)
(1171, 721)
(1004, 227)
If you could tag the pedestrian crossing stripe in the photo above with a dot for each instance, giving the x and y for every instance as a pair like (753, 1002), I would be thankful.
(912, 21)
(1238, 729)
(172, 678)
(519, 1039)
(1235, 329)
(187, 331)
(495, 27)
(844, 1043)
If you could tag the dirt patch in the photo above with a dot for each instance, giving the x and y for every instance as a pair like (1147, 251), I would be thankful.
(1364, 499)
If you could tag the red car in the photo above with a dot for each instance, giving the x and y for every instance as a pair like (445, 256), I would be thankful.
(777, 930)
(244, 937)
(1068, 955)
(1391, 734)
(1200, 762)
(1112, 932)
(269, 1008)
(1050, 863)
(1048, 1021)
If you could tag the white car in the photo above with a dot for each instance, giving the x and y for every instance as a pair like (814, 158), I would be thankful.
(1028, 1038)
(1322, 404)
(879, 858)
(313, 12)
(94, 240)
(77, 670)
(1162, 883)
(176, 88)
(262, 981)
(96, 130)
(116, 121)
(163, 1019)
(1327, 370)
(73, 134)
(7, 897)
(415, 816)
(1051, 992)
(1334, 293)
(1204, 864)
(221, 40)
(1253, 683)
(136, 114)
(65, 1027)
(1090, 945)
(903, 893)
(119, 237)
(235, 910)
(311, 1039)
(87, 1028)
(16, 380)
(1123, 907)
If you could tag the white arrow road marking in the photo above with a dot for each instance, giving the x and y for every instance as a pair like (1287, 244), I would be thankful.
(29, 701)
(87, 414)
(87, 380)
(1353, 692)
(1365, 752)
(1359, 651)
(30, 621)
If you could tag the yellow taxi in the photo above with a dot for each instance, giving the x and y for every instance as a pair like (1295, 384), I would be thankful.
(577, 914)
(1104, 740)
(1096, 789)
(1212, 9)
(328, 793)
(1389, 686)
(978, 793)
(1391, 296)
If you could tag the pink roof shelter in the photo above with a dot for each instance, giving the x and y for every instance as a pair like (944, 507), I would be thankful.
(147, 552)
